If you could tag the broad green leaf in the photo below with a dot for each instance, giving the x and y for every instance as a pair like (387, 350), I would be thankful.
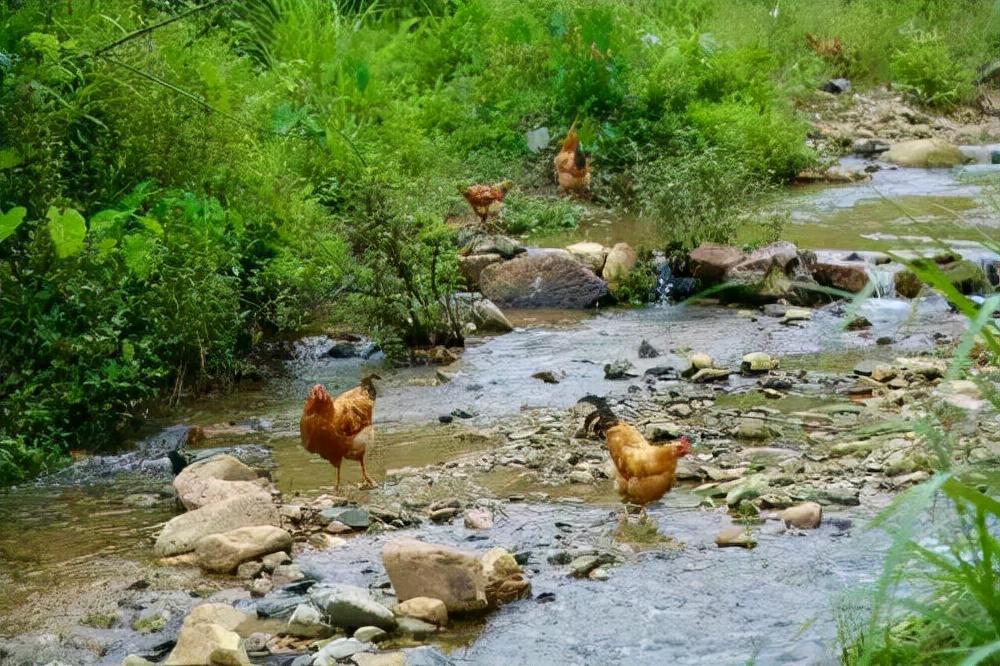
(135, 251)
(152, 224)
(67, 229)
(11, 220)
(106, 245)
(105, 221)
(9, 158)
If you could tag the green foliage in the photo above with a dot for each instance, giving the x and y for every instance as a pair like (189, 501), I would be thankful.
(925, 67)
(524, 214)
(636, 287)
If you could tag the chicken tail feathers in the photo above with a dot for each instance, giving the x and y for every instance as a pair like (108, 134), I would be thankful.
(601, 419)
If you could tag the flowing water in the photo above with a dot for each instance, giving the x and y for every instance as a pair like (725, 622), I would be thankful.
(697, 605)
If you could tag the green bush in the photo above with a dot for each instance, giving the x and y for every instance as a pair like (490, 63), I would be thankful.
(925, 67)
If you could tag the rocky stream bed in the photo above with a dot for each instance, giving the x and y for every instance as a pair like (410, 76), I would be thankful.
(803, 417)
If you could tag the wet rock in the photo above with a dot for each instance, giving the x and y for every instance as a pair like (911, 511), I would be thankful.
(619, 263)
(222, 553)
(272, 561)
(307, 622)
(350, 606)
(249, 570)
(710, 375)
(925, 153)
(444, 514)
(505, 581)
(734, 536)
(542, 280)
(662, 431)
(370, 635)
(257, 641)
(755, 429)
(869, 147)
(482, 312)
(866, 367)
(583, 565)
(546, 376)
(836, 494)
(858, 324)
(758, 362)
(261, 587)
(418, 629)
(621, 369)
(280, 605)
(208, 637)
(182, 533)
(591, 255)
(698, 362)
(217, 478)
(782, 254)
(339, 649)
(928, 368)
(581, 477)
(796, 314)
(353, 517)
(852, 277)
(710, 262)
(424, 608)
(805, 516)
(460, 579)
(470, 266)
(480, 243)
(836, 86)
(287, 573)
(478, 519)
(647, 350)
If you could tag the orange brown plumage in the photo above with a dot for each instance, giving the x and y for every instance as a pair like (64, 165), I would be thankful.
(330, 427)
(571, 164)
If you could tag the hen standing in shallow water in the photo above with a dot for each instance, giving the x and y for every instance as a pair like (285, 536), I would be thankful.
(330, 426)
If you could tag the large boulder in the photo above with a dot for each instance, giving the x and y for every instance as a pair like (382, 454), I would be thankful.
(710, 261)
(782, 253)
(847, 276)
(591, 255)
(208, 636)
(472, 265)
(540, 280)
(214, 479)
(620, 261)
(182, 533)
(463, 580)
(350, 606)
(224, 552)
(925, 153)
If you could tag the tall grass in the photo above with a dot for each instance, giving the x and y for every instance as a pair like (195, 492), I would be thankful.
(938, 599)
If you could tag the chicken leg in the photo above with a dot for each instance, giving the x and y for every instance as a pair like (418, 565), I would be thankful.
(366, 481)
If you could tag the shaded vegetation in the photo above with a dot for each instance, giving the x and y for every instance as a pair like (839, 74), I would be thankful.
(171, 195)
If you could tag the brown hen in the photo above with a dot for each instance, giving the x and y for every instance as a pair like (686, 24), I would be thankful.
(571, 164)
(487, 200)
(644, 472)
(330, 427)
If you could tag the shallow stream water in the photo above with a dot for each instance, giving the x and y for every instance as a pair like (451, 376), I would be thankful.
(695, 605)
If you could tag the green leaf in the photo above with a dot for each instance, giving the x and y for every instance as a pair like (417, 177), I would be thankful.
(67, 229)
(152, 224)
(980, 654)
(128, 351)
(11, 220)
(135, 251)
(105, 221)
(9, 158)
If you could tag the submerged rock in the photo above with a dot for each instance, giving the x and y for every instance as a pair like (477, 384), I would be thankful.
(807, 515)
(647, 350)
(622, 369)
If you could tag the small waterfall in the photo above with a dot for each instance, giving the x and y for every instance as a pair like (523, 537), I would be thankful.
(884, 278)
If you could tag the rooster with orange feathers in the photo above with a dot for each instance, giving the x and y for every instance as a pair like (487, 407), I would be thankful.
(644, 472)
(571, 165)
(330, 427)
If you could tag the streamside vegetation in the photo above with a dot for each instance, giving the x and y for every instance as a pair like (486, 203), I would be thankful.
(182, 180)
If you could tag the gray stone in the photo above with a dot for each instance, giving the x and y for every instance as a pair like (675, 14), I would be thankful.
(342, 648)
(353, 517)
(414, 627)
(350, 606)
(307, 622)
(370, 635)
(542, 280)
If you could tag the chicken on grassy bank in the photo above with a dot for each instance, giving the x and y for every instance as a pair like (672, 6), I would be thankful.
(331, 427)
(644, 472)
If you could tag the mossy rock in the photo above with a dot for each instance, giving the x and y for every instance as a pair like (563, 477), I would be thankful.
(965, 275)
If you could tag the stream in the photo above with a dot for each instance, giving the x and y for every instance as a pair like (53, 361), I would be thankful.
(68, 544)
